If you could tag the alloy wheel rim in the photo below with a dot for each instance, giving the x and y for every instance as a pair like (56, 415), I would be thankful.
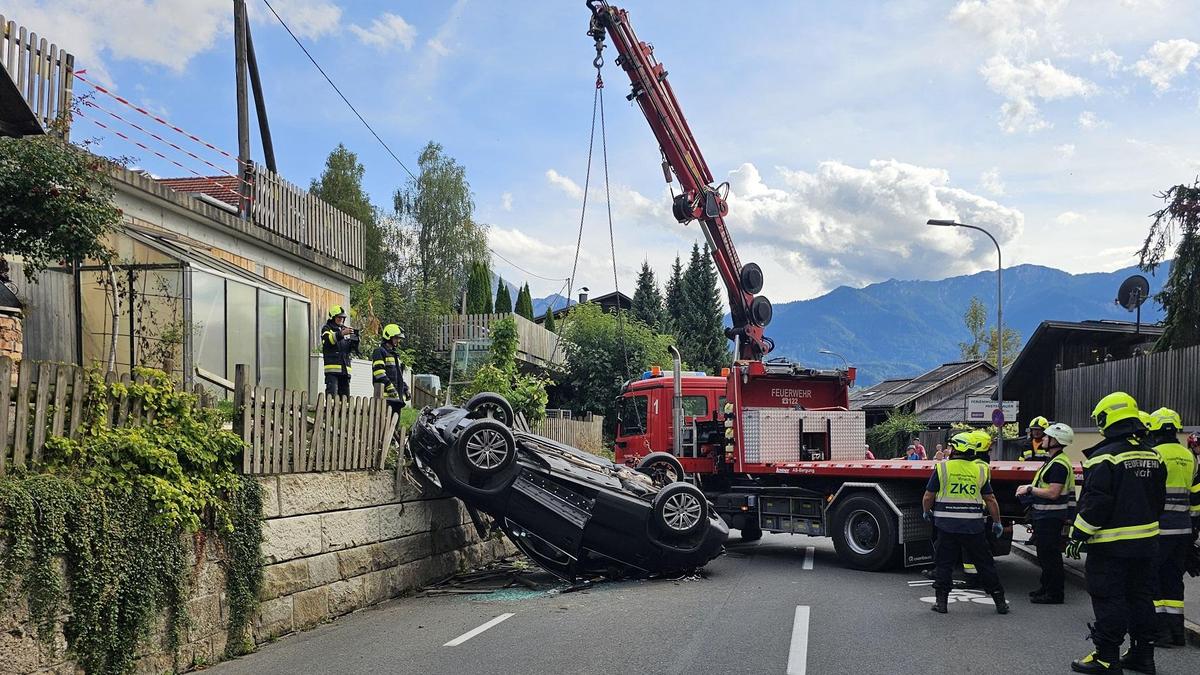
(486, 449)
(682, 511)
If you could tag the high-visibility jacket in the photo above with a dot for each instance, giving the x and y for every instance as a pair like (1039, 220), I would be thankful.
(1033, 449)
(1182, 506)
(387, 369)
(1062, 507)
(1123, 491)
(335, 349)
(960, 491)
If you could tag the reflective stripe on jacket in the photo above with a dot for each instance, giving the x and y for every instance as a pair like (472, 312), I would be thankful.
(388, 370)
(959, 495)
(1123, 491)
(1033, 449)
(1062, 507)
(1181, 478)
(334, 351)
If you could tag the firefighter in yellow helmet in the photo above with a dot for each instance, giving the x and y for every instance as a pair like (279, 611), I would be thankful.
(954, 501)
(1123, 491)
(337, 342)
(1178, 525)
(387, 369)
(981, 445)
(1032, 446)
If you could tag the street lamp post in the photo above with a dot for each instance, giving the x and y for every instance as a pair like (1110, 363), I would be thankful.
(999, 321)
(844, 361)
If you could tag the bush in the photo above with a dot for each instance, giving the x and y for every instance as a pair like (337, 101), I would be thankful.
(526, 393)
(890, 437)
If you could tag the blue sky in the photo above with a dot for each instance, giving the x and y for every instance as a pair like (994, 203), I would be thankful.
(842, 127)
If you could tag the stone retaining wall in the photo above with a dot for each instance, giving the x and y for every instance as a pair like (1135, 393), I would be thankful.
(333, 543)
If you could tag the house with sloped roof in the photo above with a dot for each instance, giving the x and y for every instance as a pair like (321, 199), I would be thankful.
(925, 393)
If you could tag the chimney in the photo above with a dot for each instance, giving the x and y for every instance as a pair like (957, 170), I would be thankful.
(583, 295)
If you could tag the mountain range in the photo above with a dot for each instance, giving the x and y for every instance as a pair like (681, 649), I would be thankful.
(903, 328)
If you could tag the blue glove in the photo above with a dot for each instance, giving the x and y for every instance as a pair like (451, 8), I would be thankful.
(997, 530)
(927, 516)
(1073, 548)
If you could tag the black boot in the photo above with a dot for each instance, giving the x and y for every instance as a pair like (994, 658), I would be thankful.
(1001, 603)
(1140, 657)
(939, 604)
(1039, 591)
(1103, 660)
(1046, 599)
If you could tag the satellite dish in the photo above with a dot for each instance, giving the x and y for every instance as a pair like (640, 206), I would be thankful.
(1133, 292)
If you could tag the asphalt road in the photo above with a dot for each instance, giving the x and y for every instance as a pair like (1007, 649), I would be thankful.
(767, 607)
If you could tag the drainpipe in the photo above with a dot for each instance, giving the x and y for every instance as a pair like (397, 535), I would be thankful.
(676, 404)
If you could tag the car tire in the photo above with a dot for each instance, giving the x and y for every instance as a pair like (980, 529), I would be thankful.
(680, 510)
(864, 533)
(663, 467)
(488, 405)
(482, 461)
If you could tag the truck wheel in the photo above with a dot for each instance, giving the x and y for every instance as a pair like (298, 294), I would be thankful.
(487, 405)
(680, 510)
(751, 532)
(662, 467)
(864, 533)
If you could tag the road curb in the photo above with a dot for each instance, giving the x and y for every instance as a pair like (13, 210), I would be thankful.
(1028, 553)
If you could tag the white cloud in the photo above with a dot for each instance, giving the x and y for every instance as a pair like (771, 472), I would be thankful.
(1022, 83)
(1089, 121)
(1069, 218)
(1165, 61)
(1066, 150)
(990, 181)
(1107, 58)
(1015, 26)
(565, 184)
(506, 201)
(386, 31)
(437, 47)
(845, 224)
(163, 33)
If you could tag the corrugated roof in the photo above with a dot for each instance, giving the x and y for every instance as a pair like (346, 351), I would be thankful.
(953, 408)
(918, 386)
(224, 188)
(863, 395)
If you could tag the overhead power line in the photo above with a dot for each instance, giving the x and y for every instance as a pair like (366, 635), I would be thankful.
(339, 91)
(497, 254)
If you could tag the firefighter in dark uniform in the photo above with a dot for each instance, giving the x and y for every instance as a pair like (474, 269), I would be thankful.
(1178, 525)
(954, 502)
(1051, 498)
(1123, 490)
(1033, 445)
(336, 346)
(386, 367)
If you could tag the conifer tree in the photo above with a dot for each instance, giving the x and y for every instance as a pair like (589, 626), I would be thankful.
(675, 304)
(647, 301)
(525, 302)
(504, 303)
(703, 340)
(479, 290)
(549, 323)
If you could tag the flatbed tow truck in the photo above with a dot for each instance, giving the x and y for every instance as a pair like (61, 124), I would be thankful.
(773, 444)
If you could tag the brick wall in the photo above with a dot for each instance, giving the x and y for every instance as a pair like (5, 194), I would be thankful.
(10, 336)
(333, 543)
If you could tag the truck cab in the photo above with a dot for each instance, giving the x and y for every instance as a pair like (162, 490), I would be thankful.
(644, 419)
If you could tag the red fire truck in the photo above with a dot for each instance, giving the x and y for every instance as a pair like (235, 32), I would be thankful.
(772, 443)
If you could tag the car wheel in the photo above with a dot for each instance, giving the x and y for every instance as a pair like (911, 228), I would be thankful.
(488, 405)
(662, 467)
(864, 533)
(680, 510)
(482, 461)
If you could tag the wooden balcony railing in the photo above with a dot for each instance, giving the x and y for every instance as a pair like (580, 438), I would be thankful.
(288, 210)
(42, 72)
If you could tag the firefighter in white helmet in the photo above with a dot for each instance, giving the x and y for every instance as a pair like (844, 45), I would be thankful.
(1051, 499)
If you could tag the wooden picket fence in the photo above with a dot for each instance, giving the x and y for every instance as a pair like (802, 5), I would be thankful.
(284, 433)
(40, 400)
(43, 73)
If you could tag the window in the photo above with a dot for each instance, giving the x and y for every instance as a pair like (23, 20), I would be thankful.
(631, 414)
(297, 345)
(208, 320)
(695, 406)
(270, 339)
(240, 308)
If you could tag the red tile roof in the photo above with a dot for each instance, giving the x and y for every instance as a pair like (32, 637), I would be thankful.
(224, 188)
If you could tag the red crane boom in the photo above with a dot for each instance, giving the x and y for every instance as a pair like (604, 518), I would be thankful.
(700, 199)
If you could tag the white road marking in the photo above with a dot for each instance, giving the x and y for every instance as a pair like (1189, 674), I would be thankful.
(798, 652)
(923, 582)
(808, 557)
(476, 631)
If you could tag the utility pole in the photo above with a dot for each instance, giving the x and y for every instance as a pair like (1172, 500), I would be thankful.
(243, 108)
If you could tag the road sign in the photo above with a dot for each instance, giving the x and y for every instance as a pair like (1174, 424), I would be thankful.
(979, 409)
(998, 417)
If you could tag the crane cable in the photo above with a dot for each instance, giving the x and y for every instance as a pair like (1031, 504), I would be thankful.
(612, 242)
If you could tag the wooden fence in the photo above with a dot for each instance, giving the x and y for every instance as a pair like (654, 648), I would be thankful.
(40, 400)
(586, 433)
(43, 74)
(1156, 380)
(284, 433)
(535, 344)
(286, 209)
(422, 398)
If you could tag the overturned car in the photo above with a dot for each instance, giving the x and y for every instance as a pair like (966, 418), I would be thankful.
(573, 513)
